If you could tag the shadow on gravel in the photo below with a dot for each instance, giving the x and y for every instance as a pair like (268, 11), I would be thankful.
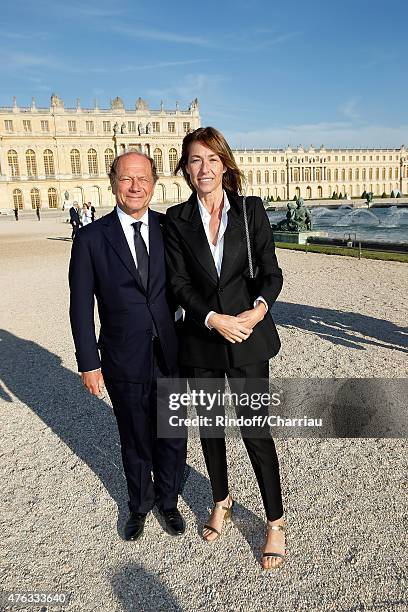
(197, 495)
(84, 423)
(342, 327)
(137, 589)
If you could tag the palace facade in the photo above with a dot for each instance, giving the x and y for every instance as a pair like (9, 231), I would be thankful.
(49, 155)
(56, 154)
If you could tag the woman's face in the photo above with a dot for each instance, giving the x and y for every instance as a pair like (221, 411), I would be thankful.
(205, 169)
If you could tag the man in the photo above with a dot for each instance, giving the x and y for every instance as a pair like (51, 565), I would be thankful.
(93, 211)
(74, 219)
(120, 260)
(37, 212)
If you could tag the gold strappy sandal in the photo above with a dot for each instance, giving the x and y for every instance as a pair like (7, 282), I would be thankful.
(227, 517)
(275, 554)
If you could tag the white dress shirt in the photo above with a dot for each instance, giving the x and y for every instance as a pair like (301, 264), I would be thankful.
(126, 223)
(217, 250)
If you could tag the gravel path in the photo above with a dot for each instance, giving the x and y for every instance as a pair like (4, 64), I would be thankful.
(63, 492)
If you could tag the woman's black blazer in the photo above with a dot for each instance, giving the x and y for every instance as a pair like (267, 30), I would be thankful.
(196, 286)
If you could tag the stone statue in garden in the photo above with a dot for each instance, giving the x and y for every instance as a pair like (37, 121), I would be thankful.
(298, 218)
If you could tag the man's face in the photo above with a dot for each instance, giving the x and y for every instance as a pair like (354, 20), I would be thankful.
(133, 184)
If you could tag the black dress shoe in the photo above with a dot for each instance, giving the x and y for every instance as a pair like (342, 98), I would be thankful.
(175, 524)
(134, 526)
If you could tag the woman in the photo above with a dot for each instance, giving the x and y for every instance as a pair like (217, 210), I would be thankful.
(86, 216)
(226, 330)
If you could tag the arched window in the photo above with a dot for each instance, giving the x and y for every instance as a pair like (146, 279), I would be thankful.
(308, 193)
(274, 176)
(396, 173)
(109, 157)
(35, 198)
(52, 197)
(173, 159)
(258, 177)
(18, 198)
(92, 162)
(49, 163)
(296, 175)
(390, 173)
(31, 163)
(158, 160)
(383, 173)
(318, 174)
(350, 175)
(329, 175)
(307, 174)
(250, 177)
(370, 174)
(319, 192)
(377, 175)
(343, 175)
(283, 177)
(267, 177)
(336, 175)
(12, 159)
(364, 174)
(75, 162)
(357, 174)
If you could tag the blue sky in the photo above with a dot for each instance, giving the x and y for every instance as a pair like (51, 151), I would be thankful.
(266, 73)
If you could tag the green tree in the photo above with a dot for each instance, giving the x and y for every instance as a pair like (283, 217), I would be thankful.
(334, 196)
(278, 199)
(384, 195)
(392, 194)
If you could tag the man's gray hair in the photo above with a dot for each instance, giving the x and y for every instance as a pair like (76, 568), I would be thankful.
(113, 168)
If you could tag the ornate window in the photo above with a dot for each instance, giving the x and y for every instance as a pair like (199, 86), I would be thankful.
(92, 162)
(8, 125)
(155, 127)
(72, 127)
(186, 127)
(336, 175)
(357, 175)
(250, 177)
(35, 198)
(350, 174)
(258, 177)
(266, 176)
(283, 176)
(318, 174)
(75, 162)
(90, 127)
(27, 125)
(109, 157)
(390, 173)
(52, 197)
(106, 127)
(329, 174)
(31, 163)
(173, 159)
(343, 175)
(18, 198)
(12, 159)
(49, 163)
(396, 173)
(45, 127)
(158, 160)
(274, 176)
(296, 175)
(383, 173)
(364, 174)
(171, 127)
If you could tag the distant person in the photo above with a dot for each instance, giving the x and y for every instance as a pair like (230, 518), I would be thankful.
(16, 213)
(86, 217)
(93, 211)
(37, 212)
(74, 219)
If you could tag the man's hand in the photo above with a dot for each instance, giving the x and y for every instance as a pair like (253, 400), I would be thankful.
(231, 328)
(251, 317)
(93, 381)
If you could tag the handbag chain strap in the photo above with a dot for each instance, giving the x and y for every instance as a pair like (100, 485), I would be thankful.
(248, 241)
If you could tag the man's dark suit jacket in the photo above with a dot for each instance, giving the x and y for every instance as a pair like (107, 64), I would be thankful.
(196, 287)
(74, 216)
(102, 265)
